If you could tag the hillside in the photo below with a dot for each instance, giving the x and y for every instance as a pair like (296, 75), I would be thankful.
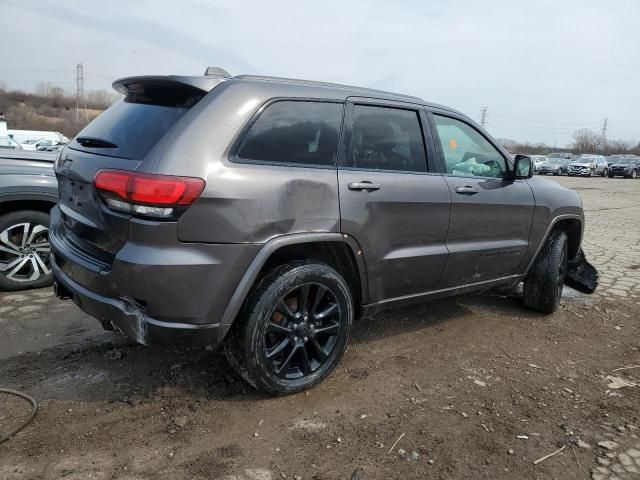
(54, 111)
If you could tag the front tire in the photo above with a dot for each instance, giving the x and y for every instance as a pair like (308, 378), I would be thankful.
(545, 281)
(634, 174)
(293, 329)
(24, 250)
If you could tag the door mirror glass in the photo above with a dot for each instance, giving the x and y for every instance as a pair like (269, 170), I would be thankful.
(523, 166)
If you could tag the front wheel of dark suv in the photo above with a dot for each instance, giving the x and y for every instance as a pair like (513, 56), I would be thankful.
(293, 329)
(545, 281)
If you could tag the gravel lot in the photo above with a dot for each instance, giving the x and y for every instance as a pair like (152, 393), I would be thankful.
(472, 387)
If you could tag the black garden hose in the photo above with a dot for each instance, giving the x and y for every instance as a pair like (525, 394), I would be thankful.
(28, 398)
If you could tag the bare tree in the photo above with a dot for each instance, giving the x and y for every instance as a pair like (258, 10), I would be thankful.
(101, 99)
(22, 116)
(586, 141)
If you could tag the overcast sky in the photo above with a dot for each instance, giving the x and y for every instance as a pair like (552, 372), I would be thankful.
(543, 68)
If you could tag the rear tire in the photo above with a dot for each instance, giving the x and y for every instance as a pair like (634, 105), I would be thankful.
(605, 172)
(281, 343)
(24, 250)
(545, 281)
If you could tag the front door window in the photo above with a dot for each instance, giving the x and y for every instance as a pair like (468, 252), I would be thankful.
(466, 152)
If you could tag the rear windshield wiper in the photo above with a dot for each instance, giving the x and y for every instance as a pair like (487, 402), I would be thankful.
(95, 142)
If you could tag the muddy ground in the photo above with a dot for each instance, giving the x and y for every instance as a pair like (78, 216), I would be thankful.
(473, 387)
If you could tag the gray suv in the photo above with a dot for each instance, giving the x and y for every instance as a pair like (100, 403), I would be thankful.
(265, 214)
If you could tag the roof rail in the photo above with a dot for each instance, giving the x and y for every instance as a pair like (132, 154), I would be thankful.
(216, 72)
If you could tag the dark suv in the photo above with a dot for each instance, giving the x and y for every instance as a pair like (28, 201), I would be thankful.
(627, 167)
(28, 190)
(268, 213)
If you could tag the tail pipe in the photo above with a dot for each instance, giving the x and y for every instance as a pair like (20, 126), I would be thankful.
(581, 275)
(60, 291)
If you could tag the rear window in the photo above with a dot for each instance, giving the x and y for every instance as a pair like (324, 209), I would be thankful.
(294, 132)
(131, 127)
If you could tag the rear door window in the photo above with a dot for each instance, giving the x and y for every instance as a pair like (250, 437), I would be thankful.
(294, 132)
(386, 138)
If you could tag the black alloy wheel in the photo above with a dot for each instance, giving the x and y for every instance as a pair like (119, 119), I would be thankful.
(293, 329)
(302, 331)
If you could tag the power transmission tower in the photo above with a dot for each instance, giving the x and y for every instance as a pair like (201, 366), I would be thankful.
(604, 135)
(483, 116)
(81, 102)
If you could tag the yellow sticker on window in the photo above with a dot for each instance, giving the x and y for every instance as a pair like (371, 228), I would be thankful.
(453, 144)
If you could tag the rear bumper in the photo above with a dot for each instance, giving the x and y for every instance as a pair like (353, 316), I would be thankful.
(157, 289)
(131, 321)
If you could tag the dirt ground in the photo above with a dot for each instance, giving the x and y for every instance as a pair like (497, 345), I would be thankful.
(463, 388)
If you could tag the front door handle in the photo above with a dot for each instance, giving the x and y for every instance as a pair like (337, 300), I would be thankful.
(363, 185)
(466, 190)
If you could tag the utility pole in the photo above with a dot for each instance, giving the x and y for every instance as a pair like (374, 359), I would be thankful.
(483, 116)
(81, 102)
(604, 135)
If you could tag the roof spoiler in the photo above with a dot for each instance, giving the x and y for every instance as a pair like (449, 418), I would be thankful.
(129, 85)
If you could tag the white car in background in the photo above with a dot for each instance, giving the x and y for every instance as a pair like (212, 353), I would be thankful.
(537, 161)
(37, 144)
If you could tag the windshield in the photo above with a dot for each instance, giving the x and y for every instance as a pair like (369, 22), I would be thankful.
(624, 161)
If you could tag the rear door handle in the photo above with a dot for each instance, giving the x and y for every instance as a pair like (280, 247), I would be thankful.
(466, 190)
(363, 185)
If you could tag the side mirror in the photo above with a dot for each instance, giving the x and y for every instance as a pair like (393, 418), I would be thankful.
(522, 167)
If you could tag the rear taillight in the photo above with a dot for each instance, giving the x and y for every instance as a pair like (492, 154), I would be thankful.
(147, 195)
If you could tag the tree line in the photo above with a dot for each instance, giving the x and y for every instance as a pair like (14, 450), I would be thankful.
(584, 141)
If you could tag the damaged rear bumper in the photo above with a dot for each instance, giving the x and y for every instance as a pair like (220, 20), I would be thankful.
(131, 320)
(581, 275)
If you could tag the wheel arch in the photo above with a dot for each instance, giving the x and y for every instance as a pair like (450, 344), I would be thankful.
(27, 201)
(573, 226)
(341, 252)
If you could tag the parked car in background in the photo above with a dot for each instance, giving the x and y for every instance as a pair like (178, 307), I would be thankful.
(538, 160)
(554, 166)
(565, 155)
(628, 167)
(38, 145)
(31, 136)
(242, 211)
(51, 148)
(28, 191)
(588, 165)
